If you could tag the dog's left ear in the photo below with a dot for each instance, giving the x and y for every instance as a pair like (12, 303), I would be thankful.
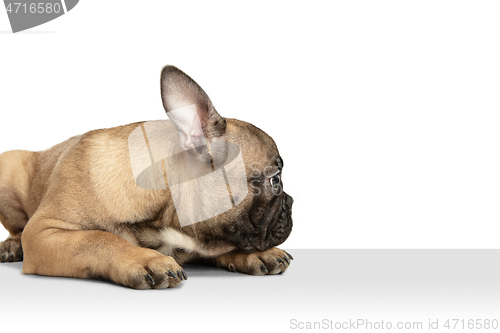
(189, 108)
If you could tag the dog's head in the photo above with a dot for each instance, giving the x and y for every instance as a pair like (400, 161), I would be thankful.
(245, 159)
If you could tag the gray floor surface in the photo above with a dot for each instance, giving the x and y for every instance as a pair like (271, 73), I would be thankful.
(338, 286)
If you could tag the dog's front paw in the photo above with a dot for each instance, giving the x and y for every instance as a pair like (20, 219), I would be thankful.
(272, 261)
(11, 250)
(154, 273)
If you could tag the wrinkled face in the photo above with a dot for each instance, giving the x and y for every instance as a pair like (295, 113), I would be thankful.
(263, 219)
(270, 215)
(265, 216)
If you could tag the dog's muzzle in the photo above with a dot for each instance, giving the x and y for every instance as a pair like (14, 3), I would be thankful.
(282, 229)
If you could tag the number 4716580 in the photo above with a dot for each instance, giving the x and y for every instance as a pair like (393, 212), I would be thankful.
(33, 8)
(471, 324)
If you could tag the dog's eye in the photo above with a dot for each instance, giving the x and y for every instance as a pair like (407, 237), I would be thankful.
(275, 182)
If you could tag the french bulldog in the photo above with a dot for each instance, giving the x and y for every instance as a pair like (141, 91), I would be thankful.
(84, 209)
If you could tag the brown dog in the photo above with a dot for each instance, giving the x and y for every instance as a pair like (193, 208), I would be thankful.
(79, 212)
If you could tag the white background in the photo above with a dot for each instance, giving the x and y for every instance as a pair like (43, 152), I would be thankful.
(387, 113)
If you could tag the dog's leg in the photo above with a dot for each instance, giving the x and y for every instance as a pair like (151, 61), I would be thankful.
(13, 182)
(57, 248)
(14, 221)
(11, 250)
(271, 261)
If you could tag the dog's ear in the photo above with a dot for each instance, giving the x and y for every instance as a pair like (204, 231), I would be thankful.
(189, 108)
